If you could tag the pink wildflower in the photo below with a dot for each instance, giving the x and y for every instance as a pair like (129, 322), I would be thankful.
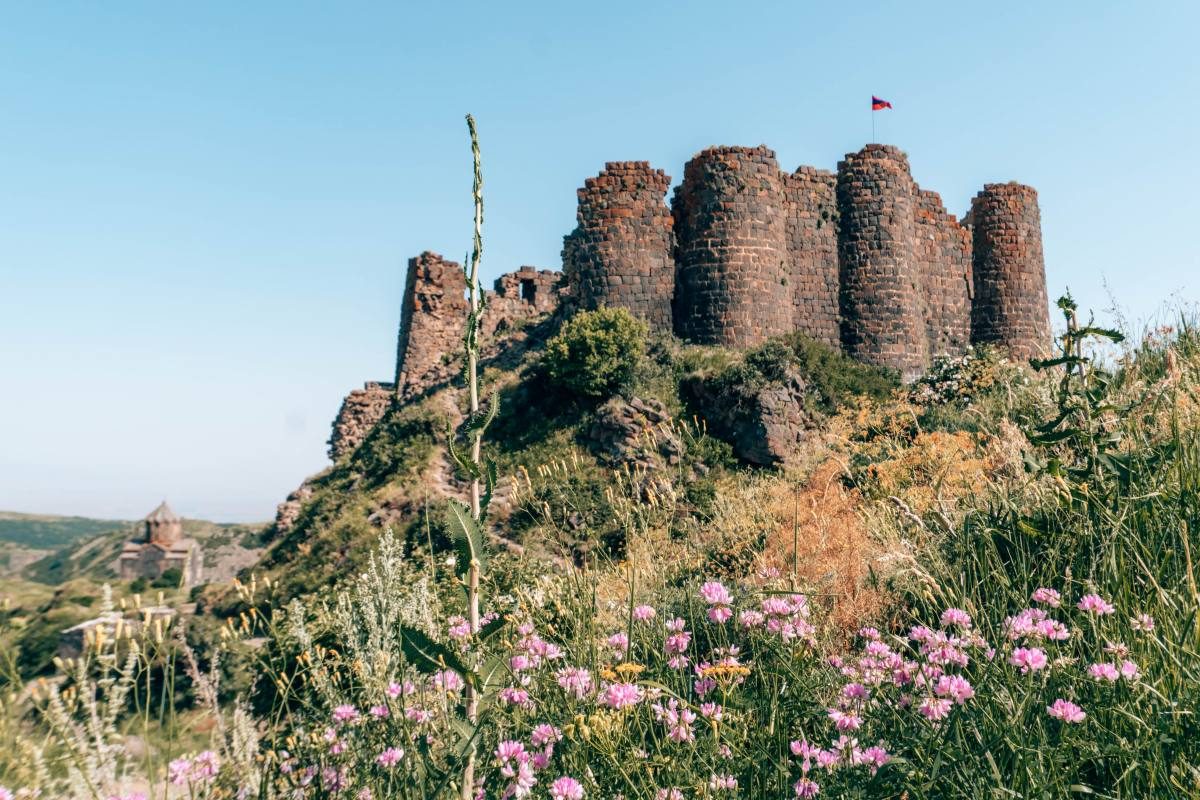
(876, 757)
(619, 642)
(715, 593)
(718, 782)
(345, 713)
(956, 687)
(576, 681)
(509, 750)
(1028, 659)
(1095, 604)
(380, 712)
(844, 721)
(644, 613)
(516, 696)
(1129, 670)
(1066, 711)
(205, 766)
(459, 628)
(751, 618)
(956, 616)
(935, 709)
(712, 711)
(1143, 623)
(620, 695)
(447, 680)
(178, 773)
(1104, 672)
(389, 757)
(855, 691)
(545, 734)
(806, 788)
(1047, 597)
(719, 614)
(566, 788)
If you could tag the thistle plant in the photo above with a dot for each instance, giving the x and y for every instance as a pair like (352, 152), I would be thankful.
(1086, 412)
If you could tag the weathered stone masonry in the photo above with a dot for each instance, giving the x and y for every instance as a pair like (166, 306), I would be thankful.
(620, 253)
(810, 201)
(731, 228)
(1009, 271)
(883, 321)
(863, 259)
(431, 328)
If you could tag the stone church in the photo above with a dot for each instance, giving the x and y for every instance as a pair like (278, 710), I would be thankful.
(161, 547)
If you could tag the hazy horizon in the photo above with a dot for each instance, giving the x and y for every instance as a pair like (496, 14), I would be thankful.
(208, 209)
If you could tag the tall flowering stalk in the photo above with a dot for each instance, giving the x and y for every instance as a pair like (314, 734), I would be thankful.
(466, 520)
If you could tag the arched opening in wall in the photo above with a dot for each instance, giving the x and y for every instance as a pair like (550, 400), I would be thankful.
(528, 290)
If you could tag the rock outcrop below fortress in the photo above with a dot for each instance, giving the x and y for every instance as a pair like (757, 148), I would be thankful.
(862, 259)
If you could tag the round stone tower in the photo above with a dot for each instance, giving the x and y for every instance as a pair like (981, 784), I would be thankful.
(732, 255)
(883, 319)
(620, 253)
(163, 526)
(1010, 307)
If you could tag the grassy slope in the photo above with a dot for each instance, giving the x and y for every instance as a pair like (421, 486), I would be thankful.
(397, 478)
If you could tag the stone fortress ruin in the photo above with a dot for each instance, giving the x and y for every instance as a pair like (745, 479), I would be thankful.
(862, 259)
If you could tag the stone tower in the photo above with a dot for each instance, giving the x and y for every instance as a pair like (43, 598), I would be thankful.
(431, 319)
(732, 284)
(620, 254)
(883, 319)
(163, 526)
(1010, 307)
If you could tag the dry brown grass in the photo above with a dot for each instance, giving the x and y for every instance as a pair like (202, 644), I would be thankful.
(820, 535)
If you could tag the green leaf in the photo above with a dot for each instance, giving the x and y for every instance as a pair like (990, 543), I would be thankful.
(427, 655)
(1107, 333)
(467, 537)
(1053, 437)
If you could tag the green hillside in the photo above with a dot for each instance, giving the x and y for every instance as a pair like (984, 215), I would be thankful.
(49, 532)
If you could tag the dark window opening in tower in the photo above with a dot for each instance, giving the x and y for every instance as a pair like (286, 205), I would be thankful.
(528, 290)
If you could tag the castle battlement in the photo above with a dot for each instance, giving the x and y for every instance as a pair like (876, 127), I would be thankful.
(861, 258)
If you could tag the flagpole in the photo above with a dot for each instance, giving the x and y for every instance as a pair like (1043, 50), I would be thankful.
(872, 124)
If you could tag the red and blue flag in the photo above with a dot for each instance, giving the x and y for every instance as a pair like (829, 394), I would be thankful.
(879, 104)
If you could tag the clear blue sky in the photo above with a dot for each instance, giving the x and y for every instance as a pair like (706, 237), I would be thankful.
(206, 208)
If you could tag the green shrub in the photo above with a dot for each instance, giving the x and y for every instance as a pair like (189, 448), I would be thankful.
(170, 579)
(596, 352)
(833, 378)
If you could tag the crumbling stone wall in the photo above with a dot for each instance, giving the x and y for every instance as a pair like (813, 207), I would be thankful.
(883, 320)
(360, 412)
(1010, 307)
(863, 259)
(431, 320)
(529, 292)
(620, 254)
(943, 252)
(810, 203)
(732, 254)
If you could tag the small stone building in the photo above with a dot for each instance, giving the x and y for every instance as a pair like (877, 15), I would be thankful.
(161, 547)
